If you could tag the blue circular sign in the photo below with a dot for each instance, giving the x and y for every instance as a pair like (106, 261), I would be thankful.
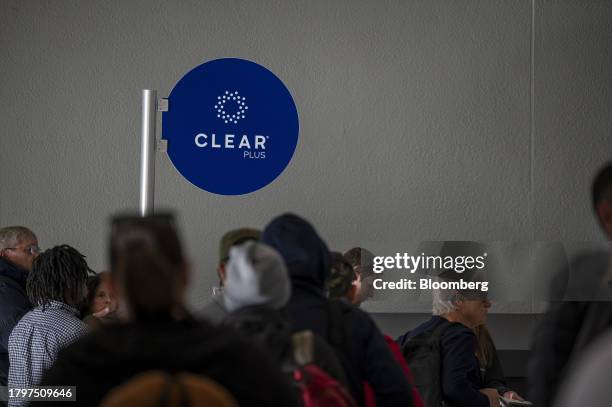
(231, 126)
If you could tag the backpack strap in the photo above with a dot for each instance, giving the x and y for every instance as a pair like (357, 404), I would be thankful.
(9, 281)
(303, 347)
(423, 354)
(434, 337)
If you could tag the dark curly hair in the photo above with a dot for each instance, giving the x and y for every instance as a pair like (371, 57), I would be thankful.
(58, 274)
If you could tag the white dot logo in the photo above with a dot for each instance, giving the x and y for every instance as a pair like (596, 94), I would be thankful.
(235, 103)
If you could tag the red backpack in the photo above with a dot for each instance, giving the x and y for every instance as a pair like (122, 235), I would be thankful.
(317, 388)
(307, 360)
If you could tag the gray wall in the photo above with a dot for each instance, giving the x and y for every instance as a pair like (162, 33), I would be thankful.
(420, 120)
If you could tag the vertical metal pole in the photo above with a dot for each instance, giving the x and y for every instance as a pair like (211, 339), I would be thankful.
(147, 152)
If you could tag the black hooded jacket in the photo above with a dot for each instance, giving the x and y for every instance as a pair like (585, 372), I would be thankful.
(106, 358)
(14, 304)
(363, 352)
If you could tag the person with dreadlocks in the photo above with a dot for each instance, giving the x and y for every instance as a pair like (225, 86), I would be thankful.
(55, 287)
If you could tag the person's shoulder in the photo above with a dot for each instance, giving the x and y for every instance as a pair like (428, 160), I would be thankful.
(71, 329)
(204, 342)
(207, 329)
(57, 322)
(458, 339)
(189, 338)
(11, 295)
(355, 315)
(98, 348)
(4, 286)
(456, 328)
(27, 320)
(19, 331)
(347, 308)
(218, 336)
(458, 332)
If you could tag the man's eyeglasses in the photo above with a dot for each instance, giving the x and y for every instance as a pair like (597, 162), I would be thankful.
(33, 249)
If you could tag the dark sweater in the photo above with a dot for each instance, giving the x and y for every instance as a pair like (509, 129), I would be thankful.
(461, 379)
(104, 359)
(14, 304)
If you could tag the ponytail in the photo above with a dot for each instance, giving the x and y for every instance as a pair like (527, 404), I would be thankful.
(147, 262)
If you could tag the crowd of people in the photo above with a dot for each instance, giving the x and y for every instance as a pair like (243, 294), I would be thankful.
(283, 328)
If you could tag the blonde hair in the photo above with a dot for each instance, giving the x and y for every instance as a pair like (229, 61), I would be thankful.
(486, 348)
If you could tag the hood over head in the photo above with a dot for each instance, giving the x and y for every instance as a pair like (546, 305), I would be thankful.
(305, 253)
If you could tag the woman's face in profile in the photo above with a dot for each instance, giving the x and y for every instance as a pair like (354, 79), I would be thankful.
(103, 297)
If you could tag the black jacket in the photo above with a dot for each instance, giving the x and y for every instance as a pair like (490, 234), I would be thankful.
(363, 351)
(115, 353)
(271, 329)
(460, 373)
(14, 304)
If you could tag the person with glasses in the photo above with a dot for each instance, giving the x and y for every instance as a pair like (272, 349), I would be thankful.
(18, 249)
(214, 310)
